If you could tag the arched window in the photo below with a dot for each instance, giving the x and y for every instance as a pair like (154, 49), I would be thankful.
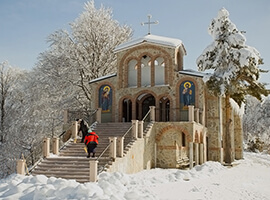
(159, 71)
(146, 71)
(132, 73)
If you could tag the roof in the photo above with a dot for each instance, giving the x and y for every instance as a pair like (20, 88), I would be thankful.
(166, 41)
(192, 73)
(102, 78)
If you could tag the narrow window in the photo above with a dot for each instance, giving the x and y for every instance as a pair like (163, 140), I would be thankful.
(183, 139)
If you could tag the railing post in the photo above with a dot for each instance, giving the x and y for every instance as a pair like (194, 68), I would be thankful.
(56, 145)
(46, 147)
(21, 167)
(113, 147)
(190, 155)
(190, 113)
(98, 115)
(93, 170)
(152, 113)
(135, 128)
(120, 147)
(74, 129)
(140, 129)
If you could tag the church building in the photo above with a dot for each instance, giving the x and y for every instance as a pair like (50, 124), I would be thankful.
(151, 74)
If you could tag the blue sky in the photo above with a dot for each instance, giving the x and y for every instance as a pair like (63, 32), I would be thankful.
(25, 24)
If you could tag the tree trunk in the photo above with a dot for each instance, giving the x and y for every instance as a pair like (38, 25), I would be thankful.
(228, 138)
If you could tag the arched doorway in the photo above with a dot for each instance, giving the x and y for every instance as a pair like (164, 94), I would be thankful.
(142, 105)
(127, 110)
(164, 109)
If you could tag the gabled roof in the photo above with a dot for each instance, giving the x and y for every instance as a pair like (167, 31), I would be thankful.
(165, 41)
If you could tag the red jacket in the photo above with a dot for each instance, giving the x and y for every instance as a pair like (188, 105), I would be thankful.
(91, 137)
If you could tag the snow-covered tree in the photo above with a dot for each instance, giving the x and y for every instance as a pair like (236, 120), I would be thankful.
(86, 53)
(256, 122)
(8, 82)
(235, 67)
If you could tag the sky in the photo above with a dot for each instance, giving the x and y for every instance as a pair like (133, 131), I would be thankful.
(26, 24)
(248, 179)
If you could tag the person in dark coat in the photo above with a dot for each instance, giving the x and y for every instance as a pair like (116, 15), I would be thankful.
(91, 141)
(83, 128)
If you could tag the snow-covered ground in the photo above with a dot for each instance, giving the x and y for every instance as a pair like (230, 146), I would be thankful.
(247, 179)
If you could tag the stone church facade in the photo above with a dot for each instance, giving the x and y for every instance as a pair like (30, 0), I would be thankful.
(150, 72)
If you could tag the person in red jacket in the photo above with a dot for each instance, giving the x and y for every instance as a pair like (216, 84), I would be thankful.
(91, 141)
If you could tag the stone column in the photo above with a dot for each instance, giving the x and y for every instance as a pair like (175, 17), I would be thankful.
(55, 145)
(74, 130)
(46, 147)
(201, 153)
(21, 167)
(135, 128)
(196, 153)
(190, 113)
(93, 170)
(190, 155)
(98, 115)
(120, 147)
(113, 147)
(140, 129)
(152, 113)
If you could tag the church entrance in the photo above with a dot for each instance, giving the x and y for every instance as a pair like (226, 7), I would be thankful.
(142, 105)
(164, 110)
(127, 110)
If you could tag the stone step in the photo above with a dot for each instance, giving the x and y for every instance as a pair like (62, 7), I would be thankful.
(71, 163)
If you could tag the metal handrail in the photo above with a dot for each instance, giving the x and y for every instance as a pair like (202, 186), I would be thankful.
(128, 130)
(147, 114)
(104, 151)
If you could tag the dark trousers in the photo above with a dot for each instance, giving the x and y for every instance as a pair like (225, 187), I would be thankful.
(84, 133)
(91, 148)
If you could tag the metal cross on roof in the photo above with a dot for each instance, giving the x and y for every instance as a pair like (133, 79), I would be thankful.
(149, 23)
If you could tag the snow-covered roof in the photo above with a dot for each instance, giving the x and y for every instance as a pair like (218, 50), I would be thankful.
(102, 78)
(192, 73)
(166, 41)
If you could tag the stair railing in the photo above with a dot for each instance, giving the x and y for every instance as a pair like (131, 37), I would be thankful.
(128, 137)
(35, 156)
(146, 120)
(102, 153)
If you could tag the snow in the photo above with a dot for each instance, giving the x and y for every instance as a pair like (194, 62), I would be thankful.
(228, 54)
(247, 179)
(152, 39)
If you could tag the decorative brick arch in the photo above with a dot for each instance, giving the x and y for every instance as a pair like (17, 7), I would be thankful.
(171, 127)
(120, 105)
(128, 55)
(170, 146)
(158, 105)
(125, 69)
(136, 96)
(178, 94)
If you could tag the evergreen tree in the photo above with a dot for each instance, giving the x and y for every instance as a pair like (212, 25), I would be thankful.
(235, 68)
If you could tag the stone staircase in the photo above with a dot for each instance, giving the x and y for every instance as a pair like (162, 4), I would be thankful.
(71, 163)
